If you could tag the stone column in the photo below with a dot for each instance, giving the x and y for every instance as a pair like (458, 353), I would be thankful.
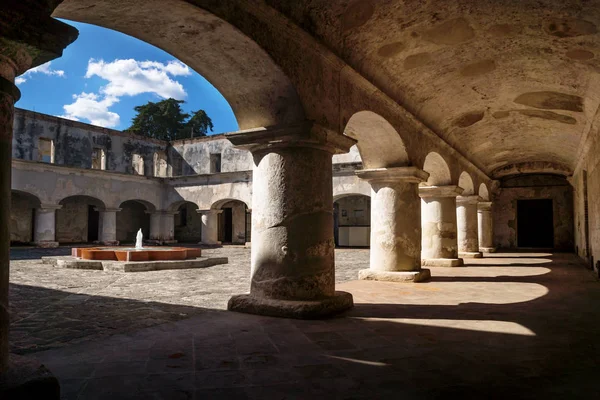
(486, 227)
(210, 226)
(466, 221)
(438, 221)
(292, 271)
(395, 225)
(44, 234)
(162, 227)
(107, 229)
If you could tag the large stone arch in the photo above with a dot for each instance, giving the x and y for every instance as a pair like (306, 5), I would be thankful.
(234, 221)
(466, 183)
(483, 192)
(379, 143)
(438, 169)
(77, 220)
(257, 89)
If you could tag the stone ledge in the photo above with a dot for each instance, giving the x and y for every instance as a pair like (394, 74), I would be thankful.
(46, 245)
(442, 262)
(298, 309)
(133, 266)
(28, 378)
(470, 254)
(487, 249)
(395, 276)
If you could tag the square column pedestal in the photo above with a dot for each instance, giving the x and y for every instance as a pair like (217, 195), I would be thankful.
(438, 221)
(395, 225)
(292, 267)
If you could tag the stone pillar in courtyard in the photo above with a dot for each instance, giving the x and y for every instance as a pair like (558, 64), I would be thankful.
(210, 226)
(107, 227)
(162, 227)
(438, 222)
(44, 234)
(467, 231)
(395, 225)
(486, 227)
(28, 37)
(292, 262)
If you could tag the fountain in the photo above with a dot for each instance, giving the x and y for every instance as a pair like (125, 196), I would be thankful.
(138, 240)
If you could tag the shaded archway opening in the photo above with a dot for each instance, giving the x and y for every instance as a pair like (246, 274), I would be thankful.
(466, 183)
(22, 217)
(352, 221)
(379, 143)
(234, 223)
(437, 167)
(188, 223)
(484, 192)
(78, 220)
(134, 215)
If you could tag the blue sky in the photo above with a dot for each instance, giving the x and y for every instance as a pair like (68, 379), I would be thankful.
(103, 75)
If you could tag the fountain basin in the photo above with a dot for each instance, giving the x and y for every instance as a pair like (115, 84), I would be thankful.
(127, 254)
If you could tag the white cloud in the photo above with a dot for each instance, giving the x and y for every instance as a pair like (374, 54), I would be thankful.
(45, 69)
(131, 77)
(89, 106)
(125, 78)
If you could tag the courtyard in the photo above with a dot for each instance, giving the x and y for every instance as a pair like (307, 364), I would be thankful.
(519, 325)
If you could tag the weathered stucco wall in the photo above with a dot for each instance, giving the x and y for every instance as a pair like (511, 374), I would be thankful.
(72, 222)
(195, 155)
(130, 219)
(74, 141)
(188, 224)
(528, 188)
(21, 219)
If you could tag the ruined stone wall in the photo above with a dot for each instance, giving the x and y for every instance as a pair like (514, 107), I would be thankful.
(72, 222)
(195, 155)
(529, 188)
(130, 219)
(74, 141)
(21, 220)
(188, 224)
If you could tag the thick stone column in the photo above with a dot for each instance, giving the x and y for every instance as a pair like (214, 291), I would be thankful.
(162, 227)
(292, 272)
(395, 225)
(438, 221)
(44, 234)
(107, 229)
(210, 226)
(466, 222)
(486, 227)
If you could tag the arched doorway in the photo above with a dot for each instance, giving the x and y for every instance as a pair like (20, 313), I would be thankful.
(77, 221)
(234, 222)
(22, 212)
(352, 221)
(134, 215)
(188, 223)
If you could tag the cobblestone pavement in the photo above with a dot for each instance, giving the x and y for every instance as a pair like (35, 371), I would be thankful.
(505, 327)
(54, 307)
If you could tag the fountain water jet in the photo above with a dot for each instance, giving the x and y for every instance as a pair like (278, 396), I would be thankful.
(138, 240)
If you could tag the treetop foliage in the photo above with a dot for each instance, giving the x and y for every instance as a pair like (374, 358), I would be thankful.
(165, 120)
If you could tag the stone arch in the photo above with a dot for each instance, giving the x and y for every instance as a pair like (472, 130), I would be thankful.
(187, 226)
(466, 183)
(484, 192)
(437, 167)
(379, 144)
(22, 212)
(218, 205)
(173, 207)
(234, 222)
(134, 215)
(352, 220)
(147, 205)
(78, 220)
(340, 196)
(256, 88)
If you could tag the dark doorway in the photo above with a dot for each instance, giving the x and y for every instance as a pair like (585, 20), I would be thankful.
(535, 224)
(227, 225)
(93, 223)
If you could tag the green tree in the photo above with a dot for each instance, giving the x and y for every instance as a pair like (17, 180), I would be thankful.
(165, 120)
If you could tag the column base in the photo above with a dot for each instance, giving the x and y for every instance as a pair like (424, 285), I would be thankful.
(299, 309)
(395, 276)
(442, 262)
(46, 244)
(27, 378)
(470, 254)
(487, 249)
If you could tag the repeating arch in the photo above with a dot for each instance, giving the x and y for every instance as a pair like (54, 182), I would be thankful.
(149, 206)
(466, 183)
(84, 199)
(379, 143)
(437, 167)
(484, 192)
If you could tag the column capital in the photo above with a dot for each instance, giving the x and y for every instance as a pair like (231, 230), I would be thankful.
(49, 207)
(393, 175)
(484, 206)
(306, 134)
(107, 209)
(440, 191)
(473, 199)
(209, 211)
